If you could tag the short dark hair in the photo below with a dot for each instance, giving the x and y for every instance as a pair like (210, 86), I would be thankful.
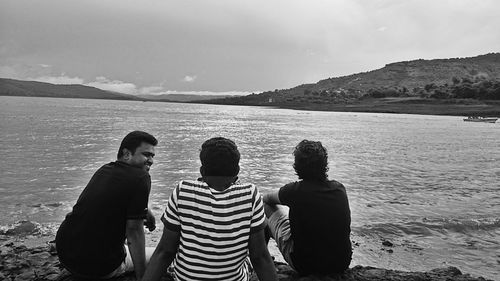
(311, 160)
(133, 140)
(220, 157)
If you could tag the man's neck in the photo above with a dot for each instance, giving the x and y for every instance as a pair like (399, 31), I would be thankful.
(220, 183)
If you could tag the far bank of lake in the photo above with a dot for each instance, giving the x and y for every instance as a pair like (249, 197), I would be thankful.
(409, 105)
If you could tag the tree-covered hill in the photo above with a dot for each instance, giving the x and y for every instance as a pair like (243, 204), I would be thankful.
(474, 78)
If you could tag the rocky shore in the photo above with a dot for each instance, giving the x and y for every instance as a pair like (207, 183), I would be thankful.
(20, 261)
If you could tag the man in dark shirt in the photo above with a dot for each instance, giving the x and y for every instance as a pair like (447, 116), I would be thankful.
(314, 236)
(112, 207)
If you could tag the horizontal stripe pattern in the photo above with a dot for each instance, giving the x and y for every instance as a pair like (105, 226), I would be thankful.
(215, 228)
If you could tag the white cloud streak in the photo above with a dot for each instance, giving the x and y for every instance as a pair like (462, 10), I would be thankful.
(189, 79)
(203, 93)
(106, 84)
(63, 79)
(152, 90)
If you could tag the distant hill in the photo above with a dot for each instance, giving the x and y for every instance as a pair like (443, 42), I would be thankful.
(182, 97)
(457, 86)
(403, 79)
(11, 87)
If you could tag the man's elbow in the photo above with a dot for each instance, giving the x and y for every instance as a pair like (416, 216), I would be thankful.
(134, 229)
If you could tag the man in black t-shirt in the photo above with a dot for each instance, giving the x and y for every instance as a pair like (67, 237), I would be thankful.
(314, 235)
(112, 207)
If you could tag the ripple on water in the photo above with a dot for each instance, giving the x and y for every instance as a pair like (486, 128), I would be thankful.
(430, 227)
(397, 169)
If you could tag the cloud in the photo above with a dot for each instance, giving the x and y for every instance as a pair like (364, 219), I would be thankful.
(189, 79)
(160, 90)
(104, 83)
(382, 28)
(100, 82)
(201, 93)
(63, 79)
(152, 90)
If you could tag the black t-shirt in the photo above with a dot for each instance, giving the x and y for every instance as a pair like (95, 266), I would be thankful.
(320, 222)
(90, 241)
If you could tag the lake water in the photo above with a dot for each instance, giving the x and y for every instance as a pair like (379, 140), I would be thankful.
(428, 184)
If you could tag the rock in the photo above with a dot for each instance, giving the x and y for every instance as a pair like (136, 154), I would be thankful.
(27, 275)
(387, 243)
(52, 277)
(366, 273)
(38, 263)
(22, 228)
(55, 205)
(453, 271)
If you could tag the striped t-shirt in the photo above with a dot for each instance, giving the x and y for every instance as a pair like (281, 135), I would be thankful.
(215, 228)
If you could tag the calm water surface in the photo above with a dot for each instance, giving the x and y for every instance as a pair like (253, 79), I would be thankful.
(428, 184)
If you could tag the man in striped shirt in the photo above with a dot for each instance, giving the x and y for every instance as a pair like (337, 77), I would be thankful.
(214, 224)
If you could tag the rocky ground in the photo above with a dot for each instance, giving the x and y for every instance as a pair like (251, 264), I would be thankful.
(21, 261)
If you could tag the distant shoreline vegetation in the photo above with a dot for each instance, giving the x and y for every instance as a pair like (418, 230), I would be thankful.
(480, 88)
(462, 96)
(459, 86)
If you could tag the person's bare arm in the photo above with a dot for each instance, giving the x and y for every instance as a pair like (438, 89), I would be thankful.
(260, 257)
(271, 198)
(163, 256)
(136, 244)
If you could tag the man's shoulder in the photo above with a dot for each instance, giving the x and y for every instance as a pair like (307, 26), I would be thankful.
(290, 187)
(125, 169)
(293, 185)
(307, 185)
(335, 184)
(120, 174)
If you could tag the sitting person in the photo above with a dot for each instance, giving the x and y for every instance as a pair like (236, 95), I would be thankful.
(314, 237)
(111, 209)
(213, 224)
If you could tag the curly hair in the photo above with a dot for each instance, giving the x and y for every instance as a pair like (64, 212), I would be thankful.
(311, 160)
(220, 157)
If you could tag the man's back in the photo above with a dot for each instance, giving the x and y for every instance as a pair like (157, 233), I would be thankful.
(90, 240)
(320, 225)
(215, 228)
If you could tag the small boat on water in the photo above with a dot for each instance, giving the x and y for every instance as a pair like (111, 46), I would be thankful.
(481, 119)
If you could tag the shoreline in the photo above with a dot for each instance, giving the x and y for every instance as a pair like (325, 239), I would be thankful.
(406, 105)
(410, 105)
(35, 258)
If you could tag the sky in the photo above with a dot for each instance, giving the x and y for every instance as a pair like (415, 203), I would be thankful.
(232, 46)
